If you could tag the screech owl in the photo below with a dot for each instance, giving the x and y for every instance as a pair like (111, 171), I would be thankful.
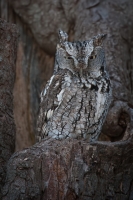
(76, 99)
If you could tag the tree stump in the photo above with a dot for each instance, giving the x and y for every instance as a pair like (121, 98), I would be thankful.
(71, 170)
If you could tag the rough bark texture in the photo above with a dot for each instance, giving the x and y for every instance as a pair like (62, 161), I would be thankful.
(74, 169)
(71, 170)
(8, 48)
(33, 68)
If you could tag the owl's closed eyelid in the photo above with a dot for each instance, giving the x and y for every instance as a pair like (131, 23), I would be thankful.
(68, 57)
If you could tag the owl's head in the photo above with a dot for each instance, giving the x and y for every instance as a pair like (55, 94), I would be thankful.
(87, 56)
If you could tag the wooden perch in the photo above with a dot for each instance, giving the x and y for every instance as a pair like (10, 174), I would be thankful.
(70, 170)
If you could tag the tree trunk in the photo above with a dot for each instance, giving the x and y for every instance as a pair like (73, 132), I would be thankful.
(8, 47)
(72, 169)
(33, 68)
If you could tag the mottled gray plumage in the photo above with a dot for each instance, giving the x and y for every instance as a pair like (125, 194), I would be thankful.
(76, 99)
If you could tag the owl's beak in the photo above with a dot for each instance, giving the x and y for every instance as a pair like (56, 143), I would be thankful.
(82, 63)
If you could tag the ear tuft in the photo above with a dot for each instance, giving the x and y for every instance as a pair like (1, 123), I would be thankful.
(63, 36)
(98, 40)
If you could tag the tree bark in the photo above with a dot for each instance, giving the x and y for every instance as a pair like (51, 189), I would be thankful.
(72, 169)
(33, 68)
(8, 48)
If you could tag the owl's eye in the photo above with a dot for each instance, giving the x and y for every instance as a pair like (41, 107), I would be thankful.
(92, 57)
(69, 57)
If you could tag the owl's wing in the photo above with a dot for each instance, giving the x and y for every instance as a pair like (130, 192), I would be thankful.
(50, 100)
